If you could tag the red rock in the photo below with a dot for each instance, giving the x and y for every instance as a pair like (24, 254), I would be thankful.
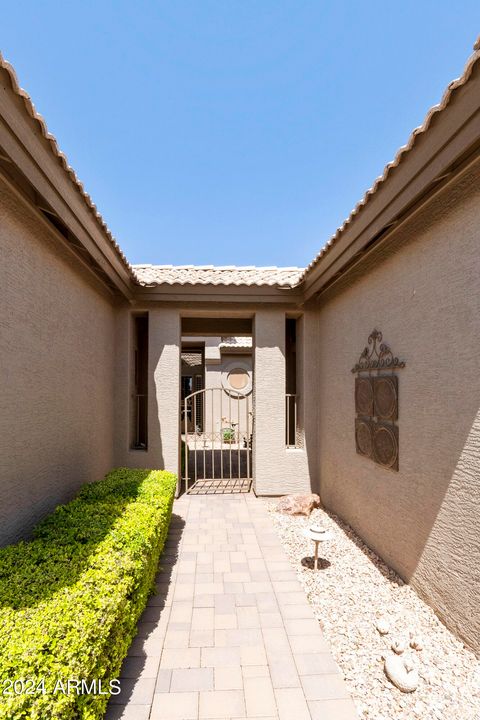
(298, 504)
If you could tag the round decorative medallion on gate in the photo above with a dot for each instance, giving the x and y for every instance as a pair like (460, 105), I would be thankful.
(385, 397)
(385, 445)
(364, 396)
(363, 437)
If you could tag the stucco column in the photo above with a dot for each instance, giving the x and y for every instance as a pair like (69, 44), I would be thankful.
(213, 379)
(276, 470)
(164, 388)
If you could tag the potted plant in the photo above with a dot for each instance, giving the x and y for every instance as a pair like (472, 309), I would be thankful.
(228, 433)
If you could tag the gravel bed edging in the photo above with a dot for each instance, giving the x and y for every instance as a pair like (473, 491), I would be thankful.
(351, 591)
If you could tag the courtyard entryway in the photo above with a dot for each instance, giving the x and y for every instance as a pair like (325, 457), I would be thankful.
(217, 408)
(230, 633)
(217, 441)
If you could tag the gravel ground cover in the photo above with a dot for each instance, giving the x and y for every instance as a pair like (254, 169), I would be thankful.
(350, 592)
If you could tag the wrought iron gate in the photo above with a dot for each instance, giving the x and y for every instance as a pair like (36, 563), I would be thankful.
(217, 437)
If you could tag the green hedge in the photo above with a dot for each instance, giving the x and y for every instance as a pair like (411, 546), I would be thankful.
(70, 599)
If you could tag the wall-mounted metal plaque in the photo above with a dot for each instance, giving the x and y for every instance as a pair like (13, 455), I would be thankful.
(376, 402)
(364, 396)
(364, 437)
(385, 397)
(385, 445)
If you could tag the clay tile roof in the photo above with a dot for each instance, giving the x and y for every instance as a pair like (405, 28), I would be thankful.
(404, 150)
(192, 359)
(236, 342)
(151, 275)
(61, 157)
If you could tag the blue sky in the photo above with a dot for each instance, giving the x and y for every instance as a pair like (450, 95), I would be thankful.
(233, 132)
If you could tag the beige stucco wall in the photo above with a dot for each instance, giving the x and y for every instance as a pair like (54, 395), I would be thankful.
(307, 388)
(56, 369)
(423, 293)
(163, 390)
(277, 471)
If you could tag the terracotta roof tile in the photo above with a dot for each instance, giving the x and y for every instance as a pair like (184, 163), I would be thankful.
(151, 275)
(236, 342)
(192, 359)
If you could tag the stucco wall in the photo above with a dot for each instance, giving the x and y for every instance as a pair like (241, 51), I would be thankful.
(56, 368)
(277, 471)
(163, 390)
(307, 388)
(423, 293)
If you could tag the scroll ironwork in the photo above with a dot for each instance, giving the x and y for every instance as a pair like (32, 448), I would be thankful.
(377, 355)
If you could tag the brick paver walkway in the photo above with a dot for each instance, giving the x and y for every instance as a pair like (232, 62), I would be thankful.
(230, 633)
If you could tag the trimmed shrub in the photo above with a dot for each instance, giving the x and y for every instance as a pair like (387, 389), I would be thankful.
(70, 598)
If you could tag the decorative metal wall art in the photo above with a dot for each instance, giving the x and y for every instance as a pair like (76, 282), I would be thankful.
(378, 356)
(376, 402)
(385, 445)
(364, 436)
(385, 397)
(364, 396)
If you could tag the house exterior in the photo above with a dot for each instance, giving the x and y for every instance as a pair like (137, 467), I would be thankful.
(377, 341)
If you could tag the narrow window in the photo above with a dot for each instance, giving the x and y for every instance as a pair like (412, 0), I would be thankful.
(140, 383)
(291, 397)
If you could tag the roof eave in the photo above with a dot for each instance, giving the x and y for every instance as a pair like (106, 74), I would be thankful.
(31, 161)
(201, 293)
(421, 169)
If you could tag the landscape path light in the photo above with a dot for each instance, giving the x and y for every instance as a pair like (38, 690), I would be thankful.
(318, 534)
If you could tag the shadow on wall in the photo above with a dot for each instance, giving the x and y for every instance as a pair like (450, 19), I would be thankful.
(432, 537)
(437, 484)
(63, 544)
(311, 380)
(423, 520)
(43, 491)
(159, 419)
(56, 418)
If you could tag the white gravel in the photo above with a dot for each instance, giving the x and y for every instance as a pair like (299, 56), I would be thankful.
(349, 596)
